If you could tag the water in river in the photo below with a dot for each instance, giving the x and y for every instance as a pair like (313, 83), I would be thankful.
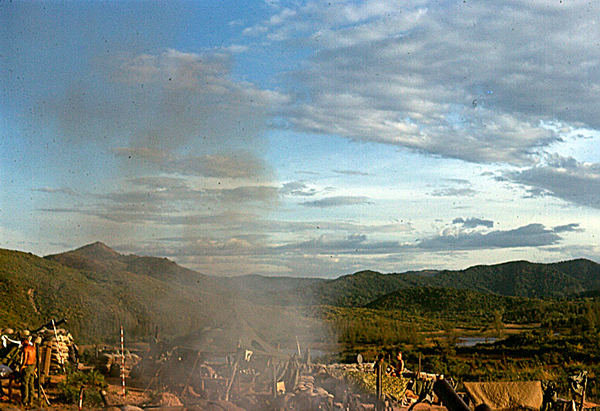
(471, 341)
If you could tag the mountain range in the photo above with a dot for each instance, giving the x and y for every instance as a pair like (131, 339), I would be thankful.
(516, 278)
(98, 289)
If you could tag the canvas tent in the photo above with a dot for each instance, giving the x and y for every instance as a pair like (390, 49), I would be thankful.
(234, 338)
(232, 335)
(502, 396)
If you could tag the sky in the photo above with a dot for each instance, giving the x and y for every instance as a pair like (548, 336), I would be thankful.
(302, 138)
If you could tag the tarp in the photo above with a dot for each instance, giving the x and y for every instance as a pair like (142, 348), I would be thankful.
(506, 395)
(577, 383)
(232, 335)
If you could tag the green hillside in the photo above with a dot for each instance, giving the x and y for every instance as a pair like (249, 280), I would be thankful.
(102, 260)
(588, 272)
(432, 301)
(516, 279)
(462, 306)
(521, 279)
(98, 289)
(357, 290)
(96, 302)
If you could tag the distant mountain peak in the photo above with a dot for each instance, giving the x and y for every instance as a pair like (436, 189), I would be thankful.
(97, 250)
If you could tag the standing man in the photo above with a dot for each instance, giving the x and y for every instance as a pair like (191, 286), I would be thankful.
(27, 371)
(399, 365)
(380, 370)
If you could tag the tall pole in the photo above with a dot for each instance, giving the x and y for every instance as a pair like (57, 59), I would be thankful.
(122, 361)
(274, 378)
(39, 374)
(379, 383)
(298, 345)
(585, 379)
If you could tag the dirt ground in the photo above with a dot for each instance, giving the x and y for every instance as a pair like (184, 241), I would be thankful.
(114, 395)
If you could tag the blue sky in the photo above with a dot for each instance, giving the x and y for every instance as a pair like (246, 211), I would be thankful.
(302, 138)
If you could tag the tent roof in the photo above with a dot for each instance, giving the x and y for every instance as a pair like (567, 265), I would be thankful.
(226, 338)
(506, 395)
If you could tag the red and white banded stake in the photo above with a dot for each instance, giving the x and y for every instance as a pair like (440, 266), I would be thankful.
(80, 406)
(122, 361)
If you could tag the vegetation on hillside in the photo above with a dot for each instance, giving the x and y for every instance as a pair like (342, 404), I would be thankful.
(359, 289)
(464, 307)
(98, 290)
(422, 314)
(35, 290)
(517, 279)
(563, 340)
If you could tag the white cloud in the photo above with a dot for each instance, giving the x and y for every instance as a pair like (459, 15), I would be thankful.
(265, 195)
(234, 164)
(473, 222)
(53, 190)
(238, 164)
(454, 192)
(352, 173)
(352, 244)
(237, 48)
(159, 183)
(473, 81)
(564, 178)
(337, 201)
(532, 235)
(298, 188)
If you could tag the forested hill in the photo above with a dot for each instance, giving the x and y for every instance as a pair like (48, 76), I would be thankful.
(98, 289)
(518, 278)
(463, 305)
(359, 289)
(525, 279)
(96, 301)
(102, 260)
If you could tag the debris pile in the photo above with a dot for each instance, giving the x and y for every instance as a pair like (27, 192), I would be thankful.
(311, 396)
(56, 347)
(111, 361)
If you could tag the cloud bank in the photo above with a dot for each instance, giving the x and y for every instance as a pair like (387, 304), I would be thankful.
(563, 178)
(477, 81)
(531, 235)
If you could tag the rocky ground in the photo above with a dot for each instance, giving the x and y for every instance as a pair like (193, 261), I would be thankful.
(319, 388)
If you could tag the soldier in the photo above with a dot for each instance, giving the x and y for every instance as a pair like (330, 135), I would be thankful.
(399, 369)
(28, 360)
(380, 369)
